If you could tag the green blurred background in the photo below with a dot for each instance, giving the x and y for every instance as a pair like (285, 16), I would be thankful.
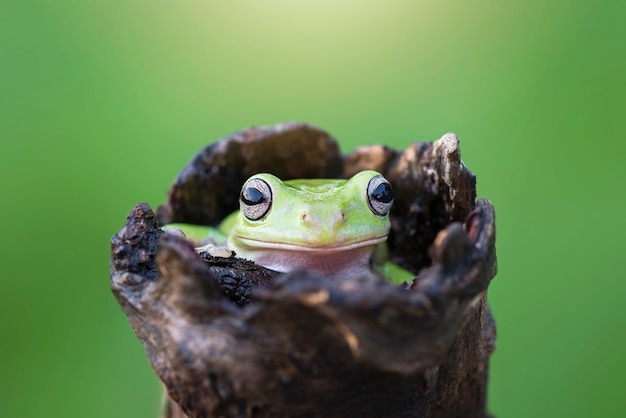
(102, 103)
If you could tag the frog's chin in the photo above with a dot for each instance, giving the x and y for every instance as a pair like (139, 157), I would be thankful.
(333, 261)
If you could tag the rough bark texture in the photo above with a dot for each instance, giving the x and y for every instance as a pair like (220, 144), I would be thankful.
(231, 339)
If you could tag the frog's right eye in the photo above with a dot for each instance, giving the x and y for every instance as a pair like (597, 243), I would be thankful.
(255, 199)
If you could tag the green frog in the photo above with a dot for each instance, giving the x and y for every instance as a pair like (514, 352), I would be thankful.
(333, 227)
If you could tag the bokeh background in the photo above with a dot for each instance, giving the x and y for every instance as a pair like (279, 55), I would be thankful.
(102, 103)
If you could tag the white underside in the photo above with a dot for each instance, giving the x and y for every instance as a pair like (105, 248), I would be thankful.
(352, 259)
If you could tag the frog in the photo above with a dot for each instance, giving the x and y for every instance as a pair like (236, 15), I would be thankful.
(333, 227)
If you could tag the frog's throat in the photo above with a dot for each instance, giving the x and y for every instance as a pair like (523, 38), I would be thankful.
(319, 248)
(337, 261)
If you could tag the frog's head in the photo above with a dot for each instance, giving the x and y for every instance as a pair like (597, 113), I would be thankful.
(309, 223)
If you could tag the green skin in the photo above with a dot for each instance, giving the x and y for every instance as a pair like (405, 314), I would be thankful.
(320, 225)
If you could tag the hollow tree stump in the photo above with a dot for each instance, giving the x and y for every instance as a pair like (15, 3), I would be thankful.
(232, 339)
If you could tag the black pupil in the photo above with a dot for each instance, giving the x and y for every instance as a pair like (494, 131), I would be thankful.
(252, 196)
(383, 193)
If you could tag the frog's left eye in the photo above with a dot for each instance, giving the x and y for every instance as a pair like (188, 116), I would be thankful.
(255, 199)
(379, 195)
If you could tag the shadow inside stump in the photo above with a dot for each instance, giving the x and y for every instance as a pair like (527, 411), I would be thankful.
(229, 338)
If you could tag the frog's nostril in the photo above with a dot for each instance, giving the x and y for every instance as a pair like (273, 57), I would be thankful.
(323, 221)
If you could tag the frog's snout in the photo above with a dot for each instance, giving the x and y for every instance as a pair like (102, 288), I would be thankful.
(320, 222)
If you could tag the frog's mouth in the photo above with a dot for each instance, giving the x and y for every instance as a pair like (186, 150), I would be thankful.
(257, 244)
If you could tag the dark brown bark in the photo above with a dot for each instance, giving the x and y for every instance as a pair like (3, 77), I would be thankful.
(231, 339)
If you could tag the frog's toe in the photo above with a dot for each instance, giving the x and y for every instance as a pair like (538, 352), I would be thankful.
(215, 250)
(174, 231)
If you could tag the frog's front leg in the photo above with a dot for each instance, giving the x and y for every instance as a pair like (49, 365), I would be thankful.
(392, 272)
(205, 238)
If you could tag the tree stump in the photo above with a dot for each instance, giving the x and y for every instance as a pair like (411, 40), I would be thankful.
(231, 339)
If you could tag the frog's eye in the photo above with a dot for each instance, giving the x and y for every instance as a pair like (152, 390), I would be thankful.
(379, 195)
(255, 199)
